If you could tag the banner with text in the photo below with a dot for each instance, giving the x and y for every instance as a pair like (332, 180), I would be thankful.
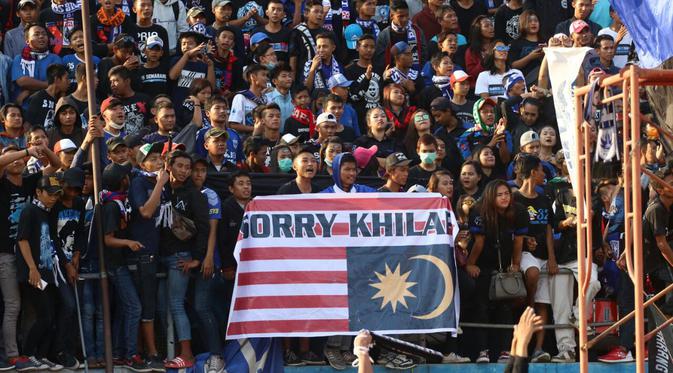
(326, 264)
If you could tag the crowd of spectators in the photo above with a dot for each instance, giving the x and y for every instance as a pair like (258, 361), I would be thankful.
(198, 99)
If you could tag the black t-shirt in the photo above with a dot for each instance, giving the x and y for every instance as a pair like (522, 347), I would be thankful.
(296, 128)
(69, 225)
(466, 16)
(34, 228)
(655, 223)
(364, 94)
(104, 66)
(464, 114)
(507, 23)
(136, 111)
(280, 41)
(519, 49)
(113, 223)
(291, 187)
(154, 80)
(41, 110)
(417, 175)
(228, 229)
(141, 34)
(386, 147)
(302, 48)
(540, 215)
(13, 199)
(508, 228)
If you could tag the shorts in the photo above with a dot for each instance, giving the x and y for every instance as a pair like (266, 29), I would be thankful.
(529, 261)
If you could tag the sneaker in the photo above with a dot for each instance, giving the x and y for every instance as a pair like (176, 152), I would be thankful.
(292, 360)
(540, 356)
(156, 363)
(617, 355)
(118, 362)
(51, 366)
(67, 360)
(5, 366)
(311, 358)
(137, 364)
(349, 357)
(503, 358)
(335, 359)
(27, 364)
(400, 362)
(483, 358)
(214, 364)
(454, 358)
(567, 356)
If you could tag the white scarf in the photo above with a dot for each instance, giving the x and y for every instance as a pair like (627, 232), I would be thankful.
(411, 40)
(319, 81)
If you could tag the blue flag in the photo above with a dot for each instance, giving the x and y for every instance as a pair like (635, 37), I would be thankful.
(259, 355)
(650, 23)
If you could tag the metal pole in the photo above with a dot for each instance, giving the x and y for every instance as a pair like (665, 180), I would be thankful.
(95, 161)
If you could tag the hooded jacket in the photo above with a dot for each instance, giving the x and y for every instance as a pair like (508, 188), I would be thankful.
(336, 176)
(480, 134)
(55, 134)
(164, 16)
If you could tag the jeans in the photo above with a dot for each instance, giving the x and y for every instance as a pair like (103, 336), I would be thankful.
(177, 285)
(11, 299)
(92, 319)
(203, 305)
(67, 318)
(128, 307)
(41, 334)
(145, 278)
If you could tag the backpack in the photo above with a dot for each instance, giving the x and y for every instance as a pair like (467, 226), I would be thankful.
(176, 10)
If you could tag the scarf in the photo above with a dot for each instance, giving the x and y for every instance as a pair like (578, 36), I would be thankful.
(28, 60)
(320, 81)
(307, 38)
(120, 198)
(478, 123)
(225, 79)
(397, 75)
(443, 84)
(345, 15)
(411, 40)
(67, 10)
(111, 25)
(604, 118)
(405, 114)
(41, 205)
(369, 26)
(49, 260)
(305, 117)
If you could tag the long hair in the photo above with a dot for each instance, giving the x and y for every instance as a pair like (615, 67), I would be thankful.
(523, 24)
(489, 61)
(476, 39)
(387, 91)
(434, 179)
(488, 209)
(411, 137)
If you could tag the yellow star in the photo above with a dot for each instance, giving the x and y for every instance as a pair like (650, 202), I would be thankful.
(393, 287)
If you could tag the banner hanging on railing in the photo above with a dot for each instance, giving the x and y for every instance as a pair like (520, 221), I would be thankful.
(327, 264)
(564, 65)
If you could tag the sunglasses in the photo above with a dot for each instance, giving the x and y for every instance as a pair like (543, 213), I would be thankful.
(422, 117)
(502, 48)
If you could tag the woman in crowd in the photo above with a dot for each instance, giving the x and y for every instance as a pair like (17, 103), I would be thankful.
(194, 107)
(470, 176)
(378, 134)
(281, 159)
(548, 142)
(482, 33)
(328, 149)
(490, 167)
(398, 111)
(526, 52)
(496, 66)
(418, 126)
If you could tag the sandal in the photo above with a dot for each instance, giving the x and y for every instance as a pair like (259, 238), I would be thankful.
(179, 363)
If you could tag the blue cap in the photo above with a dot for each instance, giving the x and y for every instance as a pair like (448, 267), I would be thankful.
(511, 79)
(352, 33)
(258, 37)
(399, 48)
(338, 80)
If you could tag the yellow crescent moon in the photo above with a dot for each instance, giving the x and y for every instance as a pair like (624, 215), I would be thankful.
(448, 286)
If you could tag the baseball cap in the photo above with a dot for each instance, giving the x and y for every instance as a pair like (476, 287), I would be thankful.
(124, 40)
(176, 146)
(64, 145)
(217, 3)
(396, 160)
(485, 101)
(528, 137)
(325, 117)
(113, 142)
(364, 155)
(577, 26)
(148, 149)
(50, 184)
(109, 103)
(289, 139)
(338, 80)
(399, 48)
(195, 11)
(154, 41)
(352, 33)
(440, 103)
(258, 37)
(22, 3)
(216, 132)
(458, 76)
(134, 140)
(73, 177)
(114, 173)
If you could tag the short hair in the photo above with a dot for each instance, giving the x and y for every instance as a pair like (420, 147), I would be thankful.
(120, 71)
(164, 105)
(528, 163)
(80, 72)
(326, 35)
(661, 173)
(155, 99)
(261, 49)
(275, 2)
(175, 154)
(475, 165)
(427, 140)
(252, 144)
(396, 5)
(296, 90)
(236, 174)
(28, 27)
(445, 9)
(311, 3)
(227, 29)
(55, 71)
(600, 38)
(434, 179)
(348, 158)
(4, 111)
(216, 99)
(270, 106)
(254, 69)
(34, 129)
(365, 37)
(437, 58)
(359, 3)
(445, 34)
(199, 85)
(282, 67)
(333, 98)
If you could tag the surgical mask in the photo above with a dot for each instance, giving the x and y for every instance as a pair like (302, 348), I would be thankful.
(270, 65)
(428, 158)
(285, 164)
(328, 162)
(116, 126)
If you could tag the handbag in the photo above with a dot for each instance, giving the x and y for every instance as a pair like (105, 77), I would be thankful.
(183, 228)
(506, 285)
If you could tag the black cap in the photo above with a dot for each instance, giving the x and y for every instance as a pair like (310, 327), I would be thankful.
(133, 140)
(50, 184)
(124, 40)
(114, 173)
(73, 177)
(113, 142)
(441, 103)
(396, 160)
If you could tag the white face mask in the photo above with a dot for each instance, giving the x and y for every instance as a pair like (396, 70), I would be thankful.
(116, 126)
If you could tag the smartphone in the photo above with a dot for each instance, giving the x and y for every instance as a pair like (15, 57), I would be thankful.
(542, 45)
(43, 284)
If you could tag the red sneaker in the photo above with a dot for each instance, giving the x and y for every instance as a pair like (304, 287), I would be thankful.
(617, 355)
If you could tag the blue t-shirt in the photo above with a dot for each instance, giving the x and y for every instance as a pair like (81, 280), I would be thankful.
(214, 212)
(71, 62)
(33, 69)
(143, 230)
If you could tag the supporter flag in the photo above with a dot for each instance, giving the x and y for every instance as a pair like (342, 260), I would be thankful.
(260, 355)
(650, 23)
(316, 265)
(659, 347)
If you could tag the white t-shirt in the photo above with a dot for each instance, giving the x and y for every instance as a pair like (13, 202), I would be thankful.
(622, 50)
(492, 84)
(241, 110)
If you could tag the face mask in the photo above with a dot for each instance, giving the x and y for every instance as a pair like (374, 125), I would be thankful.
(285, 164)
(328, 162)
(270, 65)
(116, 126)
(428, 158)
